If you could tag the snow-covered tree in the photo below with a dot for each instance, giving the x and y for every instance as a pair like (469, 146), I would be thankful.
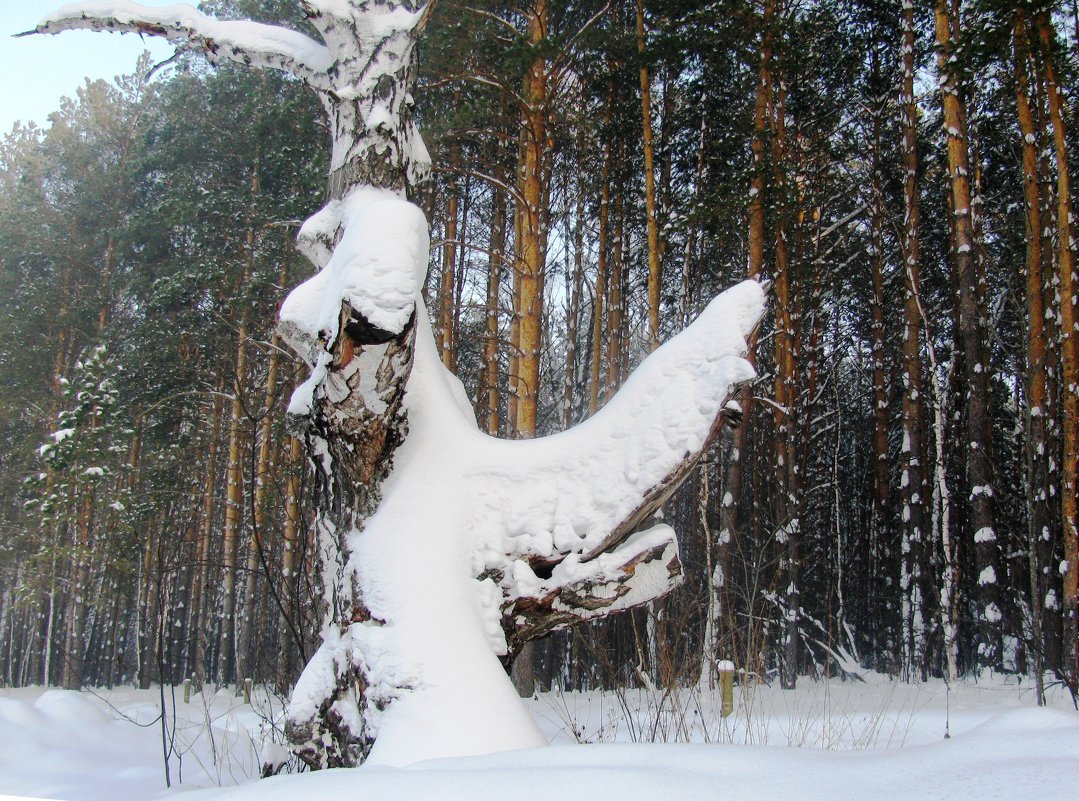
(443, 550)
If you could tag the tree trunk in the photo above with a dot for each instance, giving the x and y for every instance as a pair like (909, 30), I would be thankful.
(654, 276)
(533, 188)
(1035, 439)
(913, 486)
(729, 507)
(391, 666)
(595, 373)
(689, 251)
(447, 284)
(461, 273)
(200, 591)
(757, 144)
(880, 388)
(975, 363)
(615, 309)
(227, 661)
(785, 492)
(1051, 539)
(494, 287)
(264, 472)
(1069, 378)
(289, 624)
(573, 313)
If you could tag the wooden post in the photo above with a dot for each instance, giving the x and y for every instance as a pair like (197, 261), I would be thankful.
(725, 668)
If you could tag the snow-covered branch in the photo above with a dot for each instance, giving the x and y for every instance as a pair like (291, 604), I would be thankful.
(613, 470)
(643, 568)
(251, 43)
(563, 514)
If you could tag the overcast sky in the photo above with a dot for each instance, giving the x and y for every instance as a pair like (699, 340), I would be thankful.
(38, 70)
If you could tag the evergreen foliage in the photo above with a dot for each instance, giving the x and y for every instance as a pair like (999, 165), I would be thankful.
(151, 224)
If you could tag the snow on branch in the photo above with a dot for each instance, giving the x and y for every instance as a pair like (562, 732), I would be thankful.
(252, 43)
(565, 512)
(614, 469)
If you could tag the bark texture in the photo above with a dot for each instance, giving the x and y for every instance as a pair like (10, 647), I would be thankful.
(913, 487)
(975, 358)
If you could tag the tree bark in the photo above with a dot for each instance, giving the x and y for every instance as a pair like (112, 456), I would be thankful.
(975, 364)
(1069, 347)
(616, 317)
(1035, 439)
(494, 286)
(913, 486)
(654, 276)
(729, 507)
(200, 591)
(785, 492)
(595, 373)
(447, 284)
(880, 388)
(573, 313)
(227, 661)
(533, 188)
(757, 144)
(290, 542)
(260, 528)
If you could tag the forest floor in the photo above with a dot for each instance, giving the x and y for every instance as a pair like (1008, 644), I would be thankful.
(872, 740)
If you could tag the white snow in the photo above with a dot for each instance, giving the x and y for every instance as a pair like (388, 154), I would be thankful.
(825, 741)
(1051, 599)
(378, 266)
(435, 685)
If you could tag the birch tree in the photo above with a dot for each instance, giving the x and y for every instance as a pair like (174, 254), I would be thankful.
(442, 550)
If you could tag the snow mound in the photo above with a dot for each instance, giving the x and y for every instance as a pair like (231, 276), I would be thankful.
(970, 767)
(1002, 747)
(70, 707)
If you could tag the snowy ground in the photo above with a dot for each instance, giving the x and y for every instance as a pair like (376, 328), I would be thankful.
(828, 741)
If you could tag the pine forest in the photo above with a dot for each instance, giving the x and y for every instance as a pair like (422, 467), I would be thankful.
(896, 491)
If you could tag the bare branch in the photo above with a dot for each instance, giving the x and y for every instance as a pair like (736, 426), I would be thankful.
(563, 55)
(505, 23)
(425, 18)
(486, 177)
(252, 43)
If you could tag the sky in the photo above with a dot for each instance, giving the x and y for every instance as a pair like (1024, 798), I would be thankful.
(39, 70)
